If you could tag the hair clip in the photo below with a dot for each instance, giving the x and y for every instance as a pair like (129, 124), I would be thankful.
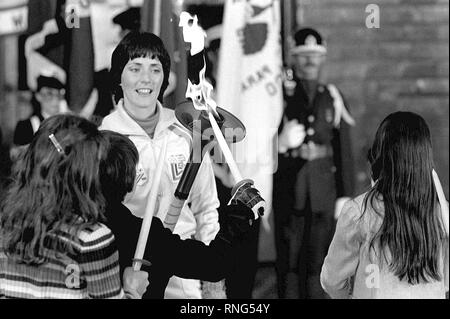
(56, 144)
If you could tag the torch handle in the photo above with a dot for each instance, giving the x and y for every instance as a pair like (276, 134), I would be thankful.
(187, 180)
(150, 208)
(174, 213)
(225, 149)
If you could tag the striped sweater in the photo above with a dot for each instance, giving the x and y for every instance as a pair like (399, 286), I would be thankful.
(90, 271)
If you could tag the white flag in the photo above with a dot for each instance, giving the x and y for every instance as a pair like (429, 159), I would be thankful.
(249, 84)
(13, 16)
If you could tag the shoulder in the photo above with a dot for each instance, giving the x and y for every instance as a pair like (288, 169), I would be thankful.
(177, 130)
(168, 114)
(95, 237)
(23, 133)
(110, 120)
(23, 124)
(353, 209)
(367, 211)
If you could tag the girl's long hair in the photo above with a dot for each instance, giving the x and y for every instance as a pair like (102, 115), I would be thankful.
(412, 230)
(53, 192)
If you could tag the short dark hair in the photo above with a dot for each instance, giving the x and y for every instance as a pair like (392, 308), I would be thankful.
(136, 45)
(118, 170)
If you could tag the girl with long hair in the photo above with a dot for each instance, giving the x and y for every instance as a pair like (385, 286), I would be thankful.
(52, 240)
(392, 242)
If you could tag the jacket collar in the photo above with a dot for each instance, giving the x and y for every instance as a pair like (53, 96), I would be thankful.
(126, 125)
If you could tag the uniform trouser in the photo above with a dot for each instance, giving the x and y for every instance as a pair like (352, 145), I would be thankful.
(302, 243)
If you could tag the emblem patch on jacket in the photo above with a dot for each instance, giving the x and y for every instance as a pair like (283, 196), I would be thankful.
(141, 178)
(177, 164)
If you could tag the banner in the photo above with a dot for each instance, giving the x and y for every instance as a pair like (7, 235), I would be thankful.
(249, 85)
(60, 44)
(13, 16)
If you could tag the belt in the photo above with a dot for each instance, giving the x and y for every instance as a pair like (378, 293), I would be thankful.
(312, 151)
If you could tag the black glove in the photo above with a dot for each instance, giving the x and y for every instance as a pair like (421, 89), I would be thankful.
(248, 195)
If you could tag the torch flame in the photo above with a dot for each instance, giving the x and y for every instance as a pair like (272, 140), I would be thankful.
(201, 93)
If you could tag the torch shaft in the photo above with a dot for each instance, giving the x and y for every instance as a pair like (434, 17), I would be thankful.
(225, 149)
(150, 208)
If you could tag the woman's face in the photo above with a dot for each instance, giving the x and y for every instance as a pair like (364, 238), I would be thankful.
(141, 82)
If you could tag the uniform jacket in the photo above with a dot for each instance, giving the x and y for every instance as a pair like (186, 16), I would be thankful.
(351, 269)
(320, 180)
(199, 215)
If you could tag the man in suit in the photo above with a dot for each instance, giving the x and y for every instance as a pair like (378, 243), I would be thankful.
(314, 175)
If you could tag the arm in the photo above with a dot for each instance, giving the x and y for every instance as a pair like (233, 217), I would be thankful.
(342, 259)
(193, 259)
(99, 264)
(187, 258)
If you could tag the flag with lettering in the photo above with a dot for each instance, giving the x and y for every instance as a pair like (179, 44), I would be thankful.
(249, 84)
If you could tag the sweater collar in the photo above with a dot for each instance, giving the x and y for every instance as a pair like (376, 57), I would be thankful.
(128, 126)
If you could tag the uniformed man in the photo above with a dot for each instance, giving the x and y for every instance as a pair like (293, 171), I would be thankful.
(314, 174)
(50, 98)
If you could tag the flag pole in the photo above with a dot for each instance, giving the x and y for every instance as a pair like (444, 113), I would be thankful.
(289, 13)
(157, 17)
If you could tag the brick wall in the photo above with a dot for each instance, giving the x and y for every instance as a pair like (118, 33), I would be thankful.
(403, 65)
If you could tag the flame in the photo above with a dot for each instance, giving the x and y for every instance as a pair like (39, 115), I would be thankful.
(201, 93)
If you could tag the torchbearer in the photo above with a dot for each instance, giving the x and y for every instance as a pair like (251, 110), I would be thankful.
(140, 68)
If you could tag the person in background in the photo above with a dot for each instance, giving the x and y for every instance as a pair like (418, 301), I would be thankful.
(140, 70)
(53, 243)
(315, 170)
(392, 242)
(49, 96)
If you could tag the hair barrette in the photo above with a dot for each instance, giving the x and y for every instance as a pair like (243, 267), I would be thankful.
(56, 144)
